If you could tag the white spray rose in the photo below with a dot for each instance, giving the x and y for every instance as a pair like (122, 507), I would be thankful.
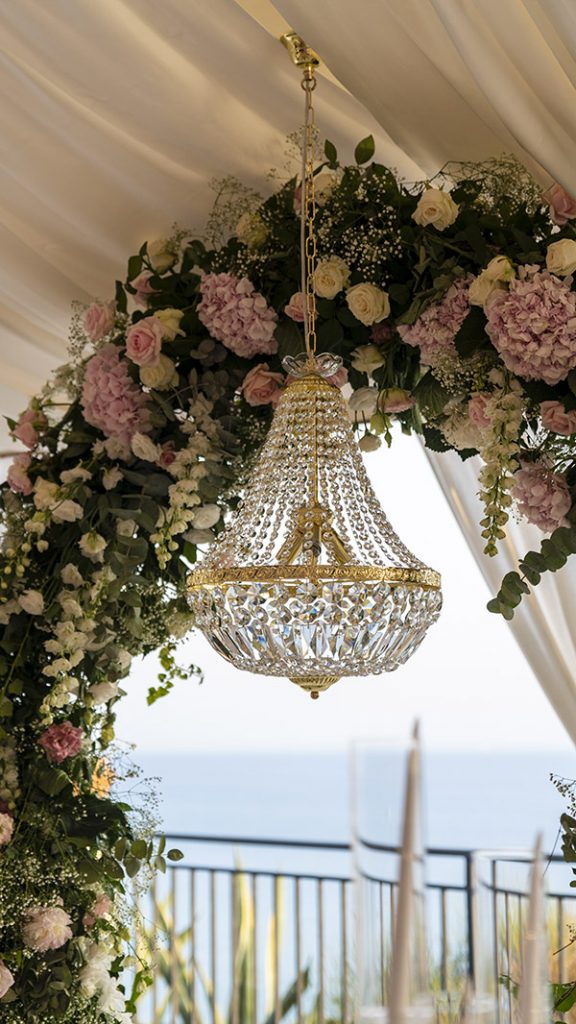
(68, 476)
(364, 402)
(324, 185)
(170, 320)
(110, 477)
(31, 601)
(126, 527)
(368, 303)
(561, 257)
(7, 610)
(367, 358)
(45, 494)
(330, 277)
(162, 254)
(161, 376)
(71, 576)
(102, 692)
(67, 511)
(206, 516)
(92, 545)
(437, 208)
(145, 449)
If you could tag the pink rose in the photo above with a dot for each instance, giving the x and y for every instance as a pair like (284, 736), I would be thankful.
(28, 425)
(261, 386)
(17, 476)
(47, 928)
(340, 378)
(144, 341)
(143, 288)
(6, 829)
(397, 400)
(295, 308)
(61, 741)
(477, 410)
(561, 205)
(555, 417)
(99, 909)
(6, 979)
(99, 319)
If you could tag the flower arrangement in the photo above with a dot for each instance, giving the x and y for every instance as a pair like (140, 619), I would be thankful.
(452, 306)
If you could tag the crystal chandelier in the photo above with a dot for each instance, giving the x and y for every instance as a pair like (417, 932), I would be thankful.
(309, 580)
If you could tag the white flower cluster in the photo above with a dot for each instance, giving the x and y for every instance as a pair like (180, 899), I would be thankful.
(95, 979)
(458, 429)
(504, 410)
(9, 788)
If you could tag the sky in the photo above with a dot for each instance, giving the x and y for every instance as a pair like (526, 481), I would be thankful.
(468, 684)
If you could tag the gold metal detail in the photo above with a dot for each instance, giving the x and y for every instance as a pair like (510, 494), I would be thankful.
(314, 685)
(428, 579)
(301, 55)
(313, 521)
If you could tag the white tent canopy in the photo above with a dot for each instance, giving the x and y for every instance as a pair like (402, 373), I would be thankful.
(116, 115)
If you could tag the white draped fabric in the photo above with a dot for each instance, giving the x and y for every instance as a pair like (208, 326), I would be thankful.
(115, 115)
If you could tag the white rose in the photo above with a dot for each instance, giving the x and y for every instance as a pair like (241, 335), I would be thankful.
(330, 277)
(369, 443)
(206, 516)
(500, 268)
(561, 257)
(71, 609)
(170, 320)
(71, 576)
(92, 545)
(67, 511)
(161, 376)
(101, 693)
(437, 208)
(482, 288)
(126, 527)
(6, 979)
(162, 255)
(364, 401)
(31, 601)
(110, 477)
(324, 185)
(368, 303)
(145, 449)
(367, 358)
(251, 230)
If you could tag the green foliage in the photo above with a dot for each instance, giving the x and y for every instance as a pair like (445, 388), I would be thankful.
(553, 554)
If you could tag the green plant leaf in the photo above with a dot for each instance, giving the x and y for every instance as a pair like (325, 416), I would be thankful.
(330, 153)
(471, 336)
(364, 150)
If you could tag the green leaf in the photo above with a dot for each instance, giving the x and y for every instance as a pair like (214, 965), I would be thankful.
(175, 855)
(138, 848)
(134, 267)
(330, 153)
(431, 396)
(132, 865)
(290, 339)
(472, 337)
(364, 150)
(434, 439)
(52, 781)
(494, 606)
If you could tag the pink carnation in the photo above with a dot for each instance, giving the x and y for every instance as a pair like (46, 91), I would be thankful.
(477, 409)
(6, 829)
(17, 475)
(99, 319)
(435, 330)
(143, 287)
(236, 315)
(533, 325)
(555, 418)
(561, 205)
(295, 308)
(144, 341)
(542, 497)
(30, 422)
(111, 400)
(262, 387)
(61, 741)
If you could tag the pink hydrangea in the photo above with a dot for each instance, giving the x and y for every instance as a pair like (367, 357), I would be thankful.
(561, 205)
(17, 475)
(555, 417)
(533, 325)
(111, 400)
(144, 341)
(435, 330)
(237, 315)
(261, 386)
(61, 741)
(542, 497)
(29, 424)
(99, 319)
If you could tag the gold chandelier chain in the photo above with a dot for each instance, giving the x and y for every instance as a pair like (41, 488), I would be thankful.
(308, 214)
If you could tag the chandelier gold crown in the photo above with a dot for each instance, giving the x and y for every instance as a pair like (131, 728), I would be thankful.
(309, 580)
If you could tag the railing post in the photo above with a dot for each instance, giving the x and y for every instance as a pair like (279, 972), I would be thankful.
(471, 912)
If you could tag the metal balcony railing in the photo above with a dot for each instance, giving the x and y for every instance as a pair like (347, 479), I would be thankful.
(262, 931)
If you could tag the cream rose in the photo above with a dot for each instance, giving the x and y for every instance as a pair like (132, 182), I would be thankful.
(251, 230)
(170, 320)
(160, 377)
(483, 288)
(437, 208)
(162, 254)
(330, 277)
(145, 449)
(111, 477)
(367, 358)
(364, 402)
(500, 268)
(368, 303)
(561, 257)
(92, 545)
(31, 601)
